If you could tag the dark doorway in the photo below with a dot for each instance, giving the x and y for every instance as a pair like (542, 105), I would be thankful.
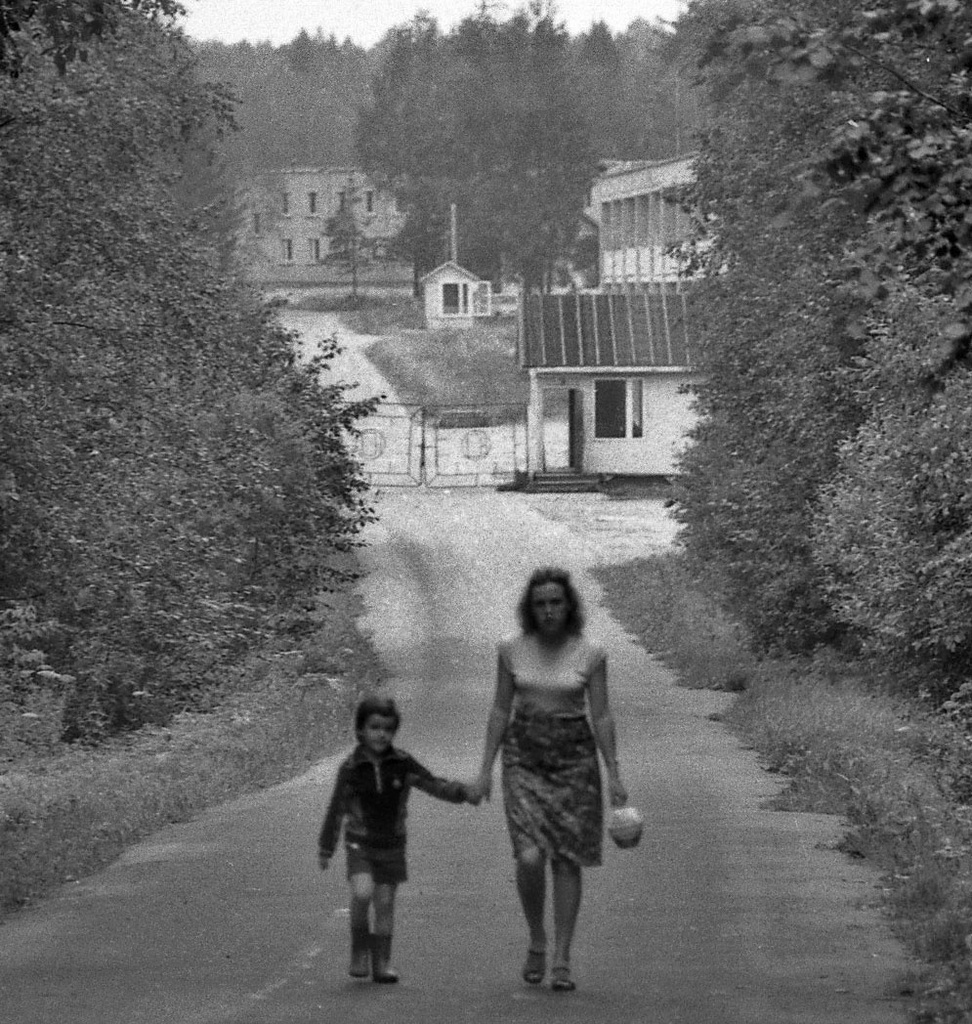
(575, 428)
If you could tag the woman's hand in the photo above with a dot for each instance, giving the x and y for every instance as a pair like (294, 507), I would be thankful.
(619, 795)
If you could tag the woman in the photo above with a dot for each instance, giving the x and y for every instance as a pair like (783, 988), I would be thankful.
(548, 681)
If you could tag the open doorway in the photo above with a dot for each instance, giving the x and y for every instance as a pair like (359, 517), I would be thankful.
(563, 428)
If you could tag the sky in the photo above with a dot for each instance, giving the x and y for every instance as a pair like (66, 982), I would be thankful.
(366, 22)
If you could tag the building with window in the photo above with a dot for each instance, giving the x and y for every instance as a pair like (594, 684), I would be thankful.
(287, 241)
(455, 296)
(617, 364)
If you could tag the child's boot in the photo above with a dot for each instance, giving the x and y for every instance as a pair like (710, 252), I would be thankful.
(380, 958)
(360, 952)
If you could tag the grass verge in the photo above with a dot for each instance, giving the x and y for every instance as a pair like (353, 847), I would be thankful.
(67, 816)
(899, 774)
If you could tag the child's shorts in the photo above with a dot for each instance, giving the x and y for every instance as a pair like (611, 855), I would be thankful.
(386, 867)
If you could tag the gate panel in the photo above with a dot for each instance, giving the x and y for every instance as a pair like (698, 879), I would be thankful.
(474, 446)
(389, 446)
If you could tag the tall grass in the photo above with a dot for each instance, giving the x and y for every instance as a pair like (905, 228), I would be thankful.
(66, 816)
(896, 771)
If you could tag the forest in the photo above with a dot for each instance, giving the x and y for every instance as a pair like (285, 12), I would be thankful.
(508, 119)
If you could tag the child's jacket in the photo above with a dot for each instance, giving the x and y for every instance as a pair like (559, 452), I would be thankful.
(371, 798)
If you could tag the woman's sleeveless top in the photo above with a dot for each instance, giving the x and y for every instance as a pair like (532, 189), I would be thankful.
(555, 680)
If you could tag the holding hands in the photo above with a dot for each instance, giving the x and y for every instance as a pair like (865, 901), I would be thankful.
(481, 788)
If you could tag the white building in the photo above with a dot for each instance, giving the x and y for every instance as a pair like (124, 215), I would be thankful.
(455, 296)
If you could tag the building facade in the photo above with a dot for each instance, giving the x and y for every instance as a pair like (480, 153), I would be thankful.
(454, 296)
(618, 359)
(286, 239)
(641, 222)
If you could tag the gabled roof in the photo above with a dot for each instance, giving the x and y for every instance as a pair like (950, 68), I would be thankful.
(452, 266)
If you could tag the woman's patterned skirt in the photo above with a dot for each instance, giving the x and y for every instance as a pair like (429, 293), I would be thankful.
(552, 786)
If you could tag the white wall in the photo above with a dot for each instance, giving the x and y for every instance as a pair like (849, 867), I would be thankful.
(667, 418)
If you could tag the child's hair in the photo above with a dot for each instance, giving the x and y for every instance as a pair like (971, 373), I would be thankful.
(369, 706)
(551, 574)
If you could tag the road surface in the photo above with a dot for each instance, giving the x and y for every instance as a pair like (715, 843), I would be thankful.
(726, 914)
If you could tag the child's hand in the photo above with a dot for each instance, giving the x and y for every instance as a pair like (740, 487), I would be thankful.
(323, 860)
(479, 789)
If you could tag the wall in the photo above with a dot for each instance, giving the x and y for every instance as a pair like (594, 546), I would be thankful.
(667, 418)
(269, 221)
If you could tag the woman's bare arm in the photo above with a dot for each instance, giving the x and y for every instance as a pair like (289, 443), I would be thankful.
(604, 731)
(499, 715)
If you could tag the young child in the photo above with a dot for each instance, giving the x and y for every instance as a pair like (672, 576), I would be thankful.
(370, 797)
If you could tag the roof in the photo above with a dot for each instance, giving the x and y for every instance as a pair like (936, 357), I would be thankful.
(452, 266)
(626, 179)
(607, 329)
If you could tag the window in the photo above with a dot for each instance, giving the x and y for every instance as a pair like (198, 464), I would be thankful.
(619, 408)
(455, 299)
(256, 223)
(288, 250)
(312, 202)
(610, 398)
(286, 204)
(315, 249)
(370, 202)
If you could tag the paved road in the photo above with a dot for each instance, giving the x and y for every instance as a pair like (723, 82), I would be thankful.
(726, 914)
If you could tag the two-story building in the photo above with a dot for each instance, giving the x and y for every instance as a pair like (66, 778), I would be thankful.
(285, 236)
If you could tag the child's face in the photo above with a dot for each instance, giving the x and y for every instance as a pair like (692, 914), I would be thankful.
(377, 733)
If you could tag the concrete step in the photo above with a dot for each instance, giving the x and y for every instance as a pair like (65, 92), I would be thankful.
(563, 481)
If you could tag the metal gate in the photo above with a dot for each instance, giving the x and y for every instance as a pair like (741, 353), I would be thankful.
(442, 446)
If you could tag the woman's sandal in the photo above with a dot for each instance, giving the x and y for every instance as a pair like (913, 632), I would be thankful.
(561, 980)
(535, 966)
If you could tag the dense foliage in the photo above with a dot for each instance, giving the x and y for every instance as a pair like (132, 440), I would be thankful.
(172, 483)
(828, 485)
(294, 104)
(508, 121)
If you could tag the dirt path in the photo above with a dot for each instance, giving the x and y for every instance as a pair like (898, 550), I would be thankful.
(726, 914)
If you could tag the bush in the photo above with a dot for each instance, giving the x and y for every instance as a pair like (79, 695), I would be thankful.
(893, 534)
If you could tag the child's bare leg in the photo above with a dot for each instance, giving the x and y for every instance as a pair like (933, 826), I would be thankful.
(362, 895)
(384, 902)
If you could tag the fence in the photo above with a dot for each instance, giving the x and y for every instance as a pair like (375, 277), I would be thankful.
(443, 446)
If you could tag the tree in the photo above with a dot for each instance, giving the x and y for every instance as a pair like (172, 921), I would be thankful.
(345, 233)
(773, 329)
(66, 27)
(172, 484)
(827, 485)
(487, 118)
